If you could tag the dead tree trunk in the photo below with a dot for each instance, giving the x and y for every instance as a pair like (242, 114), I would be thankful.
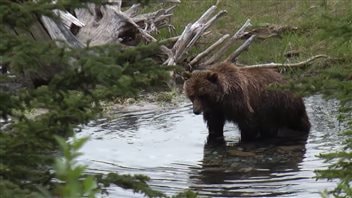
(108, 24)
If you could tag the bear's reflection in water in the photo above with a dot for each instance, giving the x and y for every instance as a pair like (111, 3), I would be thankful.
(249, 169)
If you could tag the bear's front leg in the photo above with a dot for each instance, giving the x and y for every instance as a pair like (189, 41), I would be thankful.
(215, 122)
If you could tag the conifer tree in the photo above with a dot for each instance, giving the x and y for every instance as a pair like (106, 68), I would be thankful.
(64, 84)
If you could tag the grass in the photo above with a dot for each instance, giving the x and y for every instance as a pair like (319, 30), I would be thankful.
(304, 14)
(309, 16)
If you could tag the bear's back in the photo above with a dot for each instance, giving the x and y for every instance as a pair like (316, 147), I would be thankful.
(257, 77)
(263, 75)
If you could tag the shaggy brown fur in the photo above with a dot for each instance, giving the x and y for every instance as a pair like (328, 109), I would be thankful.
(226, 92)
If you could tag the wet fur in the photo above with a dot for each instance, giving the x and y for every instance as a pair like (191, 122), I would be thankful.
(226, 92)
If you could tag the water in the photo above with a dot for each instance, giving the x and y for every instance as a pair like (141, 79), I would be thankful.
(169, 145)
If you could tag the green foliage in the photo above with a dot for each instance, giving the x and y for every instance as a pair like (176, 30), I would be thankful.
(166, 96)
(336, 81)
(136, 182)
(340, 169)
(9, 190)
(71, 183)
(186, 194)
(76, 80)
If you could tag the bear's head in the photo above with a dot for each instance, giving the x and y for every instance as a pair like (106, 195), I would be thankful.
(204, 89)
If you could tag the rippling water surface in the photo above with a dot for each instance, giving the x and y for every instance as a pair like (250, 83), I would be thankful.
(168, 145)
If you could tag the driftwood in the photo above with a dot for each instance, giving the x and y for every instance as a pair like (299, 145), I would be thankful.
(219, 53)
(299, 64)
(98, 25)
(58, 31)
(121, 22)
(239, 50)
(107, 24)
(190, 35)
(268, 31)
(210, 49)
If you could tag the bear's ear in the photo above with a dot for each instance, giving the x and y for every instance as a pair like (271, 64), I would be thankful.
(186, 75)
(212, 77)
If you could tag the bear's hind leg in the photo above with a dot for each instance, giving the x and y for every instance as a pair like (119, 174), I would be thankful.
(304, 124)
(300, 123)
(268, 132)
(248, 132)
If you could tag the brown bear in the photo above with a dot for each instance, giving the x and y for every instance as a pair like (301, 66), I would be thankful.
(226, 92)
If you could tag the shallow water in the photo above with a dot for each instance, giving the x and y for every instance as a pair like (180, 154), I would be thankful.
(169, 145)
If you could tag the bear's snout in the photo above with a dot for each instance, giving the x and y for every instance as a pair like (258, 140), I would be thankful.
(197, 112)
(197, 107)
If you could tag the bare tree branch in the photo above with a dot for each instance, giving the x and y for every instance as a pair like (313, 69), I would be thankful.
(299, 64)
(209, 49)
(205, 27)
(192, 33)
(133, 10)
(222, 50)
(147, 36)
(115, 5)
(232, 58)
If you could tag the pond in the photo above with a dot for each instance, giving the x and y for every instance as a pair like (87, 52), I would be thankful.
(168, 144)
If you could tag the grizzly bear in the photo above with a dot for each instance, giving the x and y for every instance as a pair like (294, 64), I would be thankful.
(226, 92)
